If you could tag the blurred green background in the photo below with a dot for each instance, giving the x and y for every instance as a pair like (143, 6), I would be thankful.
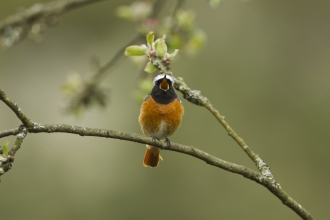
(265, 66)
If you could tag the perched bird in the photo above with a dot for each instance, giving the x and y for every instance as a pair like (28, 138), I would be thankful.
(161, 114)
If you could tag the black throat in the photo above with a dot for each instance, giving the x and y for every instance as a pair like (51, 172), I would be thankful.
(163, 97)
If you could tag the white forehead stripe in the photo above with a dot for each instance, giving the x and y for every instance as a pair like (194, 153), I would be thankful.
(161, 76)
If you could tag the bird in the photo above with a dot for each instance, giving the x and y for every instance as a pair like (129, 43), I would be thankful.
(160, 116)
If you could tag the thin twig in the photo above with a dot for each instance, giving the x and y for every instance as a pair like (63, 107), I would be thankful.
(102, 70)
(14, 107)
(39, 11)
(22, 132)
(5, 166)
(10, 132)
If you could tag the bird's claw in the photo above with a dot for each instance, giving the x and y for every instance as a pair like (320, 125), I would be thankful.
(168, 142)
(154, 138)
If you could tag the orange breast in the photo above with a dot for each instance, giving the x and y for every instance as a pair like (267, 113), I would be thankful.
(160, 120)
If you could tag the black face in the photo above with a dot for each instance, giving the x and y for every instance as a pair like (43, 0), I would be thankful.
(162, 93)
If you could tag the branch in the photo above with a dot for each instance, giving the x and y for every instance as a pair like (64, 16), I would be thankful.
(10, 132)
(6, 165)
(26, 18)
(189, 150)
(39, 10)
(102, 70)
(13, 106)
(22, 132)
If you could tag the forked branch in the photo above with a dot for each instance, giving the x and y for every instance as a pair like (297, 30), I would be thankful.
(32, 127)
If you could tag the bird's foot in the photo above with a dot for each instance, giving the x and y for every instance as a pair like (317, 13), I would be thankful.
(154, 138)
(168, 142)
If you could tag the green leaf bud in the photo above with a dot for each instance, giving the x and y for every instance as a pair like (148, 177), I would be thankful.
(150, 67)
(161, 47)
(5, 148)
(172, 55)
(136, 50)
(150, 39)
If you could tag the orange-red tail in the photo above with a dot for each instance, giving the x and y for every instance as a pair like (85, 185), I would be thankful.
(152, 157)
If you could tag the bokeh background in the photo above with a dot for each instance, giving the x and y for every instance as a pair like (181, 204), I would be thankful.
(265, 66)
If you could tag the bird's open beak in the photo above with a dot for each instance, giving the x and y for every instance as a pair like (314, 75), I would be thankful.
(164, 85)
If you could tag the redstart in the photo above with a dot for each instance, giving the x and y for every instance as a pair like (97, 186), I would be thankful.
(161, 114)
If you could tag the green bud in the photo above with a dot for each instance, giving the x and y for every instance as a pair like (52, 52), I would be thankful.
(150, 67)
(172, 55)
(136, 50)
(161, 47)
(150, 39)
(5, 148)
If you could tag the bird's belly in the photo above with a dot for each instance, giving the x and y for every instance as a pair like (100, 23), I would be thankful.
(161, 132)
